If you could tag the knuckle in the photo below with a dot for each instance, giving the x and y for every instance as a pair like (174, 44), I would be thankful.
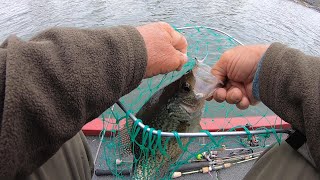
(165, 26)
(227, 54)
(184, 40)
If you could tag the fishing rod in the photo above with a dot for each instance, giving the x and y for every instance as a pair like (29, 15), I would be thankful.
(101, 140)
(210, 168)
(205, 167)
(215, 164)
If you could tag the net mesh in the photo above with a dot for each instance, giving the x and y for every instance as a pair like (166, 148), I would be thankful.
(151, 155)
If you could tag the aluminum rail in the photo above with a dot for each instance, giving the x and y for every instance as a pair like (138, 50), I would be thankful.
(192, 27)
(200, 134)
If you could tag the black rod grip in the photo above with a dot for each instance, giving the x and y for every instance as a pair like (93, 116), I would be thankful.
(104, 172)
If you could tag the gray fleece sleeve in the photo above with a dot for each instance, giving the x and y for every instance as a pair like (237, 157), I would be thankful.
(56, 82)
(289, 84)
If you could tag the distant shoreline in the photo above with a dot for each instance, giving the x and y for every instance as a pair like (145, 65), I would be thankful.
(313, 4)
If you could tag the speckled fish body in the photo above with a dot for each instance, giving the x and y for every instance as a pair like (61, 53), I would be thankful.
(173, 108)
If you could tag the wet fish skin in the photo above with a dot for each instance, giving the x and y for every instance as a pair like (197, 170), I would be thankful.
(173, 108)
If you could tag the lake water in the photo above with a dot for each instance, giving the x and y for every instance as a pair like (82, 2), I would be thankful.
(250, 21)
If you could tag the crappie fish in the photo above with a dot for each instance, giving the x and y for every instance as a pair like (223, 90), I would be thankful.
(176, 107)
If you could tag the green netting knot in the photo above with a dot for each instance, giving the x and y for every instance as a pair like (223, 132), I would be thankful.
(176, 135)
(159, 145)
(102, 116)
(151, 140)
(245, 129)
(125, 116)
(267, 135)
(135, 129)
(210, 137)
(116, 117)
(276, 135)
(144, 135)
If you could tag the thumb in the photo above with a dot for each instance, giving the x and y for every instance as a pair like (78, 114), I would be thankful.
(220, 70)
(179, 42)
(177, 60)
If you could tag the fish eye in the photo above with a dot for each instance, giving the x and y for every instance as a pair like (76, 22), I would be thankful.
(186, 87)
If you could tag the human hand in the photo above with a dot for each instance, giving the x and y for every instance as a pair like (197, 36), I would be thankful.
(166, 48)
(237, 68)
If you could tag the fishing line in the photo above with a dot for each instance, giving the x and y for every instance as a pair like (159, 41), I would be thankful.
(103, 134)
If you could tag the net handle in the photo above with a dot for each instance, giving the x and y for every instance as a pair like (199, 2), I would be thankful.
(200, 134)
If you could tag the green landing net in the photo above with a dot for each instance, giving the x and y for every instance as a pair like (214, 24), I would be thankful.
(117, 145)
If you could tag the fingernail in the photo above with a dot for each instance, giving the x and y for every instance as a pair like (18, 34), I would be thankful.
(185, 57)
(241, 104)
(235, 98)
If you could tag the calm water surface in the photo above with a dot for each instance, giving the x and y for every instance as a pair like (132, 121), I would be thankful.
(251, 21)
